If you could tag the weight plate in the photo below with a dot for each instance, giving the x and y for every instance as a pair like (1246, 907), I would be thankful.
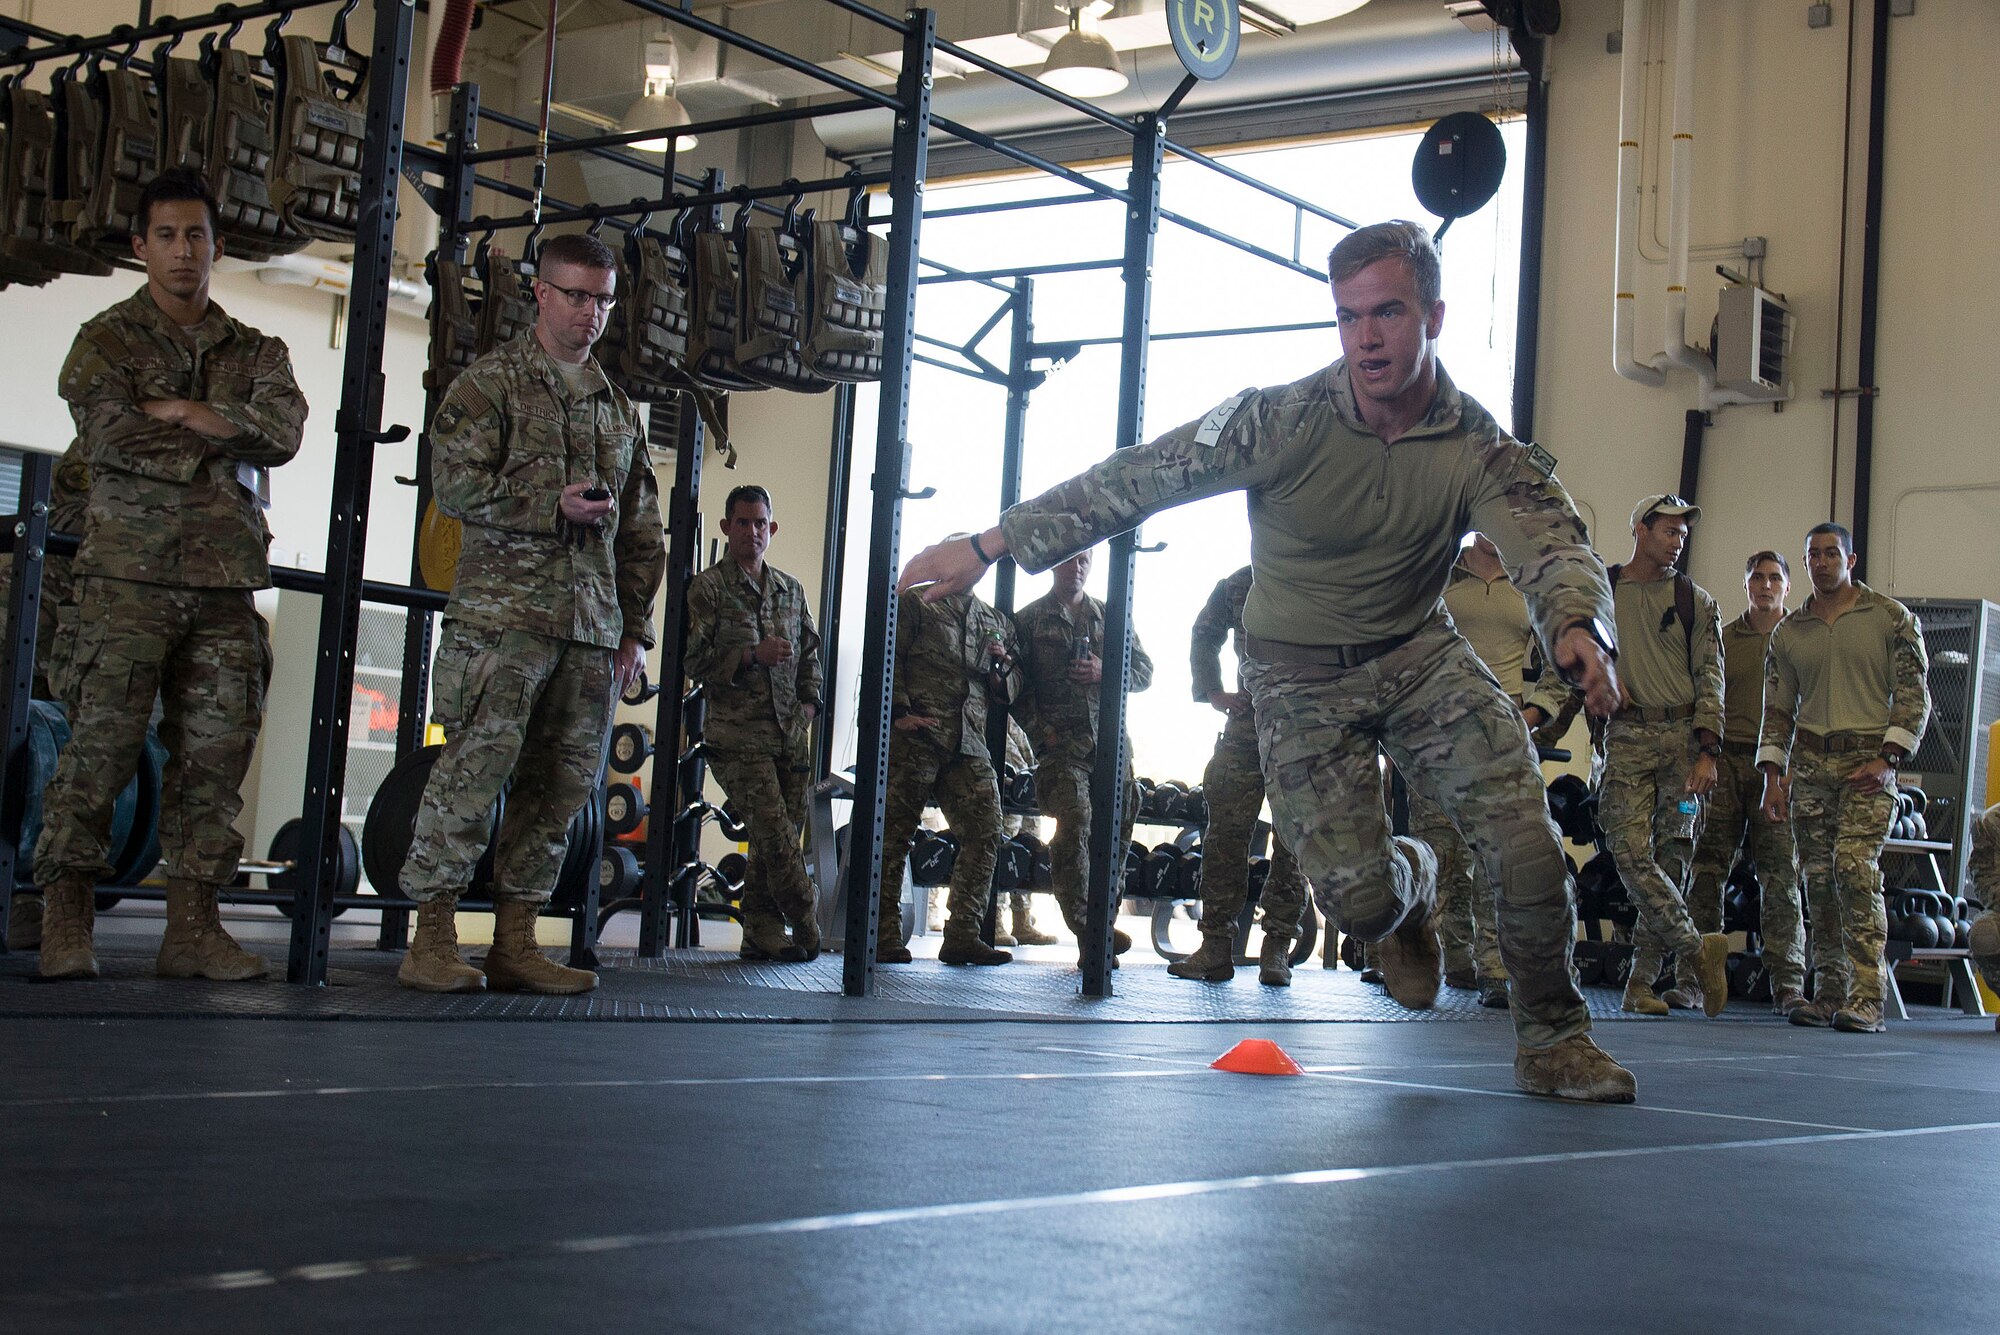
(392, 822)
(624, 808)
(617, 874)
(439, 539)
(285, 848)
(638, 690)
(631, 747)
(1459, 164)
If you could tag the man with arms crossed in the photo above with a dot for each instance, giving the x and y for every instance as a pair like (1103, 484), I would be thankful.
(1362, 478)
(179, 411)
(1845, 701)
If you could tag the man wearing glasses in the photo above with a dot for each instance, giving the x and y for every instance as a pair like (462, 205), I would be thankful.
(544, 462)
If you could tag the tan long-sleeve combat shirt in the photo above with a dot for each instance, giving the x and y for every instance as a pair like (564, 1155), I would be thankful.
(509, 436)
(942, 652)
(1351, 539)
(166, 505)
(1220, 619)
(729, 612)
(1864, 674)
(1062, 714)
(1743, 649)
(1660, 663)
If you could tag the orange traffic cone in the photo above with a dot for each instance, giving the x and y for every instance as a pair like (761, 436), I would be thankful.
(1257, 1056)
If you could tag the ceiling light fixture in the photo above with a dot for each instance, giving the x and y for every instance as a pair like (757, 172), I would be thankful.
(656, 108)
(1084, 63)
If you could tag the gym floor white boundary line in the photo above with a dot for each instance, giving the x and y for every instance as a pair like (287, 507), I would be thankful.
(664, 1082)
(229, 1280)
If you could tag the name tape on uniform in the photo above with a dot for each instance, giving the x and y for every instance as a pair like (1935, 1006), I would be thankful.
(1218, 419)
(1541, 461)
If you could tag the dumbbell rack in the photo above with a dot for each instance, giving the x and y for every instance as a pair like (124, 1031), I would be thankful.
(1959, 984)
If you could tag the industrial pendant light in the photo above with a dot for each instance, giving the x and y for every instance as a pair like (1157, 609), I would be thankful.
(1084, 63)
(657, 108)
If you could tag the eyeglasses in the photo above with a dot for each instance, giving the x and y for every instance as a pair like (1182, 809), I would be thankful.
(578, 298)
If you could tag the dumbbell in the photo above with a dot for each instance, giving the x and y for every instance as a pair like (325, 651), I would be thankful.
(1189, 882)
(1192, 807)
(1019, 789)
(631, 747)
(624, 808)
(1043, 861)
(617, 874)
(932, 858)
(1163, 871)
(1167, 800)
(1135, 869)
(1146, 809)
(1013, 866)
(639, 690)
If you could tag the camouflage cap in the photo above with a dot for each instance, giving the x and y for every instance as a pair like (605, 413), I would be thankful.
(1667, 504)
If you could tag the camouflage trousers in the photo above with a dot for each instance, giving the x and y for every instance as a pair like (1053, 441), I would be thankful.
(206, 654)
(1233, 785)
(1016, 900)
(766, 779)
(1646, 768)
(1445, 722)
(513, 705)
(1733, 820)
(1062, 791)
(967, 791)
(1984, 873)
(1467, 920)
(1840, 834)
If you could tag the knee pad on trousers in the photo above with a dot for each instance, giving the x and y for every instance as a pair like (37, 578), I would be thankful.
(1532, 872)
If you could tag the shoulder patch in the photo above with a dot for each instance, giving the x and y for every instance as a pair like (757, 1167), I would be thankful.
(1218, 419)
(1541, 461)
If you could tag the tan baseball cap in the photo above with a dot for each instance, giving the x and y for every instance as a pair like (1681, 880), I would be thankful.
(1667, 504)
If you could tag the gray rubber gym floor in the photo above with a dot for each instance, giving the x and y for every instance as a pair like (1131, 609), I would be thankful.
(173, 1174)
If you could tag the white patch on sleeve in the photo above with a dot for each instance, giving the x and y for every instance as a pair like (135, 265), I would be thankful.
(1218, 419)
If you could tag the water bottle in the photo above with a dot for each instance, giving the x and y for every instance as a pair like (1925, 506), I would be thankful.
(1686, 813)
(1079, 648)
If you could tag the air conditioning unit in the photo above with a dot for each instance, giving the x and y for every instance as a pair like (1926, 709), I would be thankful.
(1753, 344)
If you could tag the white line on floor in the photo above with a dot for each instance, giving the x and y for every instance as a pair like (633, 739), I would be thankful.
(324, 1272)
(669, 1082)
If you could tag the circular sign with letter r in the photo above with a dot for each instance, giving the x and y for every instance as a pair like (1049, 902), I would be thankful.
(1205, 35)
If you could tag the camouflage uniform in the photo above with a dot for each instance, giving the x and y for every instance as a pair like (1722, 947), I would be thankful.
(1351, 543)
(1734, 818)
(1983, 870)
(1493, 617)
(1233, 786)
(522, 680)
(69, 492)
(942, 651)
(758, 738)
(1061, 717)
(173, 544)
(1674, 680)
(1834, 695)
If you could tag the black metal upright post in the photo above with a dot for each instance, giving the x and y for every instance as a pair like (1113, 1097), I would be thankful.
(24, 606)
(833, 567)
(1107, 778)
(1534, 194)
(673, 836)
(1020, 307)
(892, 476)
(357, 430)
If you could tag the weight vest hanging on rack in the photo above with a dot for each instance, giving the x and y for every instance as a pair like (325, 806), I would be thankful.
(32, 235)
(240, 156)
(507, 309)
(314, 173)
(655, 325)
(128, 161)
(848, 301)
(711, 355)
(79, 133)
(187, 114)
(773, 299)
(454, 323)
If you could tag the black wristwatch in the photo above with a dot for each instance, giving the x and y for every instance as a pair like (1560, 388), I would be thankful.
(1597, 630)
(1712, 749)
(1889, 758)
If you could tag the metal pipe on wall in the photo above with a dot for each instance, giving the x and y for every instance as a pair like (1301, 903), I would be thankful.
(1631, 108)
(1871, 289)
(1674, 342)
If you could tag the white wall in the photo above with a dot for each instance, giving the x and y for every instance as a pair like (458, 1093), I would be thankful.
(1768, 139)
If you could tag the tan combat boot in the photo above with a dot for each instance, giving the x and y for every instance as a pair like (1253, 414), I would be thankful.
(889, 947)
(963, 946)
(431, 964)
(516, 964)
(1412, 959)
(24, 923)
(1639, 998)
(764, 938)
(196, 946)
(1274, 961)
(1859, 1017)
(1001, 936)
(69, 911)
(1575, 1068)
(805, 935)
(1213, 962)
(1025, 932)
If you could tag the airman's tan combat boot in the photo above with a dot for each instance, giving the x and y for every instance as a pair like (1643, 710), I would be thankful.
(432, 964)
(196, 946)
(1274, 961)
(1025, 932)
(1575, 1068)
(69, 911)
(1412, 958)
(1214, 961)
(517, 964)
